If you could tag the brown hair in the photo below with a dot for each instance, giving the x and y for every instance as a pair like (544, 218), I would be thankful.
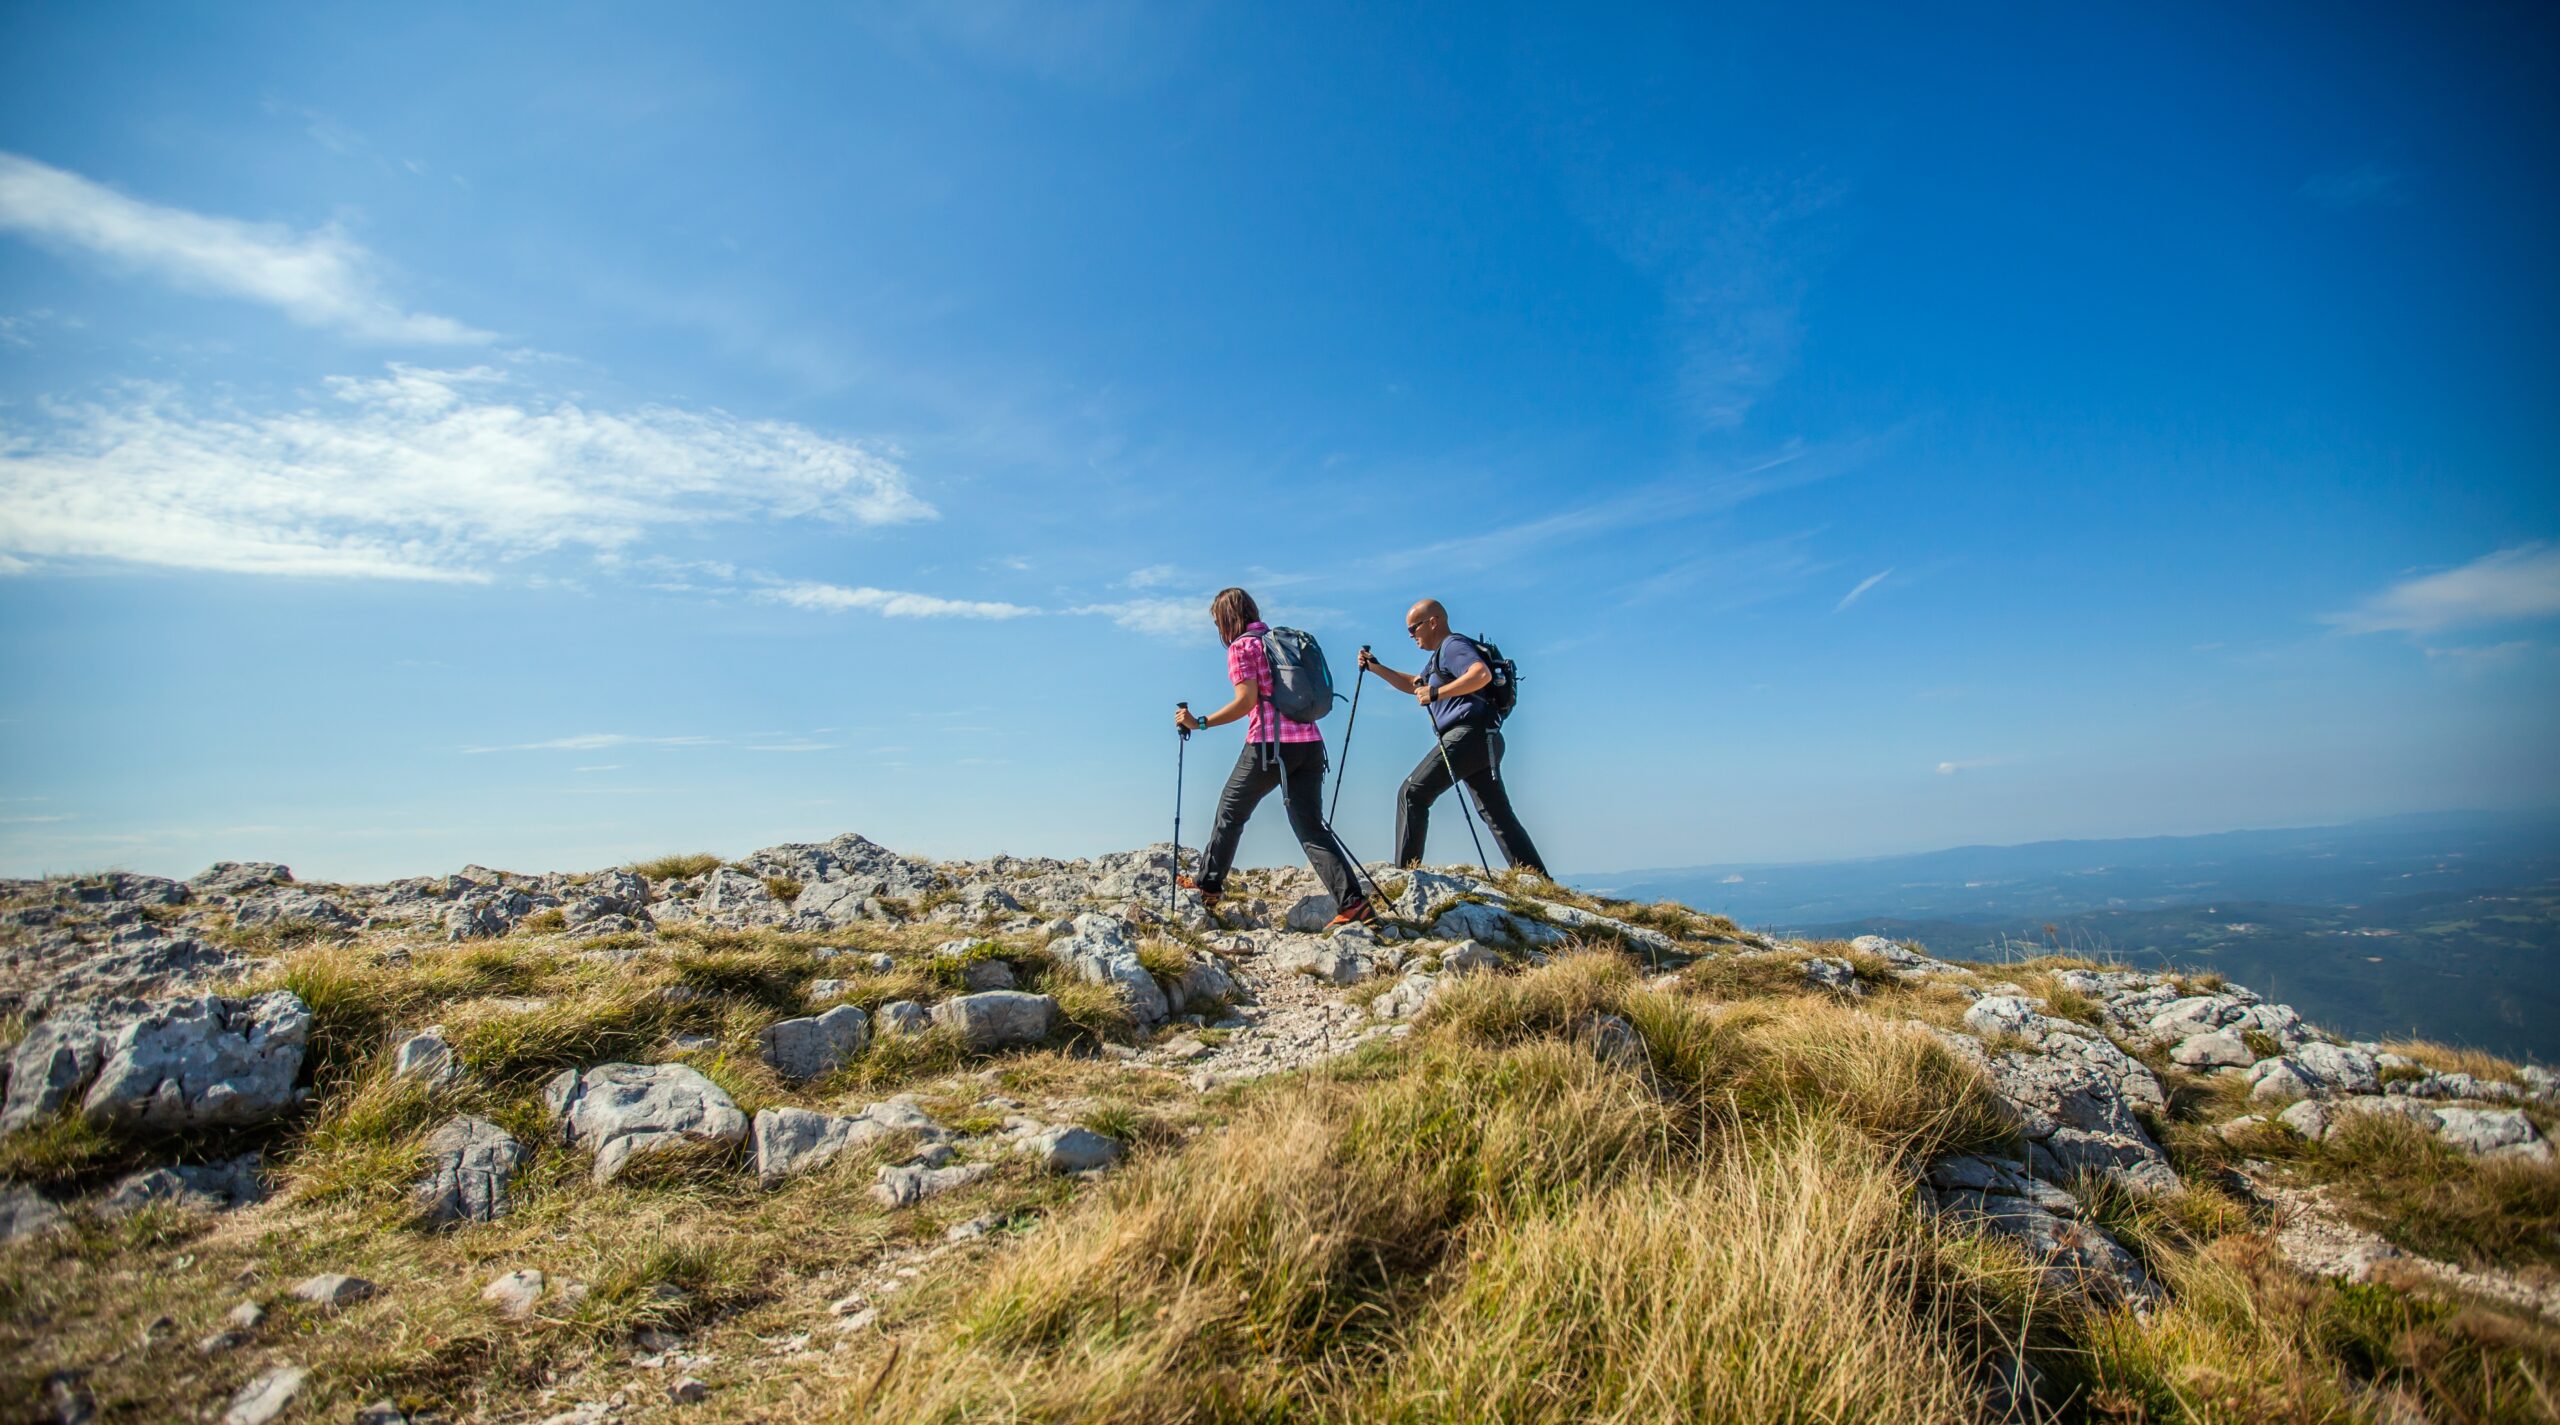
(1233, 609)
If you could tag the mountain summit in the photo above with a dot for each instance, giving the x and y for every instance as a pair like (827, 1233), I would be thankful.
(829, 1132)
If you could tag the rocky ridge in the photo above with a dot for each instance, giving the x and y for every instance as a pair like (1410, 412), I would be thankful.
(141, 1022)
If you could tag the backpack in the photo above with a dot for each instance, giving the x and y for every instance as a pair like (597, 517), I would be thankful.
(1301, 683)
(1503, 693)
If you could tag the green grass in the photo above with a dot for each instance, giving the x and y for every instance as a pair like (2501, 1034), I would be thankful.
(2405, 1183)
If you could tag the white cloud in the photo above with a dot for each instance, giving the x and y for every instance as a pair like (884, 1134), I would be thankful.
(320, 278)
(1949, 769)
(416, 475)
(1859, 592)
(2482, 657)
(599, 767)
(1185, 619)
(1154, 576)
(2522, 582)
(889, 603)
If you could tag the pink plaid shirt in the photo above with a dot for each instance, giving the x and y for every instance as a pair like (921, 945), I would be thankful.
(1248, 662)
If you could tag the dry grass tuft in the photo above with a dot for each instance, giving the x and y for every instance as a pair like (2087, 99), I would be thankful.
(675, 868)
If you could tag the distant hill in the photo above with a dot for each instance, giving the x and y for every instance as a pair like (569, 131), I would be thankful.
(2444, 925)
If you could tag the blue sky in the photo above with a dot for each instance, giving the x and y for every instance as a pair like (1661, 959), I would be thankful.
(551, 435)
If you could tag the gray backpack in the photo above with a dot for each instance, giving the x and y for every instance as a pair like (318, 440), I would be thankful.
(1301, 684)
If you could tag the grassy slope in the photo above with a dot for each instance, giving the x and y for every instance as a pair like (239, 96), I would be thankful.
(1488, 1221)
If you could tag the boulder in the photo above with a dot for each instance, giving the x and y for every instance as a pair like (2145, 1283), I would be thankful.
(1309, 914)
(56, 1058)
(1652, 942)
(621, 1110)
(2196, 1014)
(995, 1018)
(831, 903)
(1340, 962)
(1838, 976)
(1101, 951)
(1408, 998)
(2075, 1094)
(1205, 983)
(2213, 1049)
(199, 1062)
(2075, 1255)
(791, 1141)
(911, 1183)
(1427, 892)
(235, 876)
(2492, 1133)
(819, 1044)
(1470, 920)
(292, 907)
(2315, 1070)
(470, 1163)
(903, 1016)
(1070, 1149)
(1469, 958)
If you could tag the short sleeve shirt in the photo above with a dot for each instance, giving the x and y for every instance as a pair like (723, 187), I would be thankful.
(1457, 653)
(1249, 662)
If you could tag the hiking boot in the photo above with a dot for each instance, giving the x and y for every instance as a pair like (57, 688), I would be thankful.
(1356, 913)
(1207, 898)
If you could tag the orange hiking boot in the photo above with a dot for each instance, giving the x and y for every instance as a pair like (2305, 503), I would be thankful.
(1207, 898)
(1356, 913)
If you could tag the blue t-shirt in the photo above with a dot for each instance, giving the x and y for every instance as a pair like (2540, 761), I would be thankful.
(1457, 653)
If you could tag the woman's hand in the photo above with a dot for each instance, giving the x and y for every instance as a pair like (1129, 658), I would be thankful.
(1183, 719)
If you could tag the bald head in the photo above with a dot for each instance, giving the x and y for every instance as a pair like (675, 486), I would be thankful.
(1428, 622)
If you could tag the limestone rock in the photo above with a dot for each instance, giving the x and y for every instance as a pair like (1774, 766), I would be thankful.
(266, 1395)
(2213, 1049)
(470, 1163)
(1470, 920)
(2074, 1254)
(1069, 1149)
(903, 1017)
(197, 1062)
(517, 1293)
(236, 876)
(2322, 1070)
(1309, 914)
(25, 1212)
(333, 1290)
(620, 1110)
(1101, 951)
(995, 1018)
(912, 1183)
(1838, 976)
(292, 907)
(790, 1141)
(426, 1057)
(1408, 998)
(2074, 1092)
(818, 1044)
(1468, 957)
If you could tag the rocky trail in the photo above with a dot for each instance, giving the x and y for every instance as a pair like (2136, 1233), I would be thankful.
(984, 1040)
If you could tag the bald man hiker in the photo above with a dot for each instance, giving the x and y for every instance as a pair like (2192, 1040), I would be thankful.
(1279, 751)
(1457, 688)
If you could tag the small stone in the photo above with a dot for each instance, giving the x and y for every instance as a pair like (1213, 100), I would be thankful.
(265, 1396)
(861, 1320)
(426, 1057)
(221, 1341)
(381, 1412)
(247, 1316)
(1070, 1149)
(847, 1305)
(158, 1330)
(333, 1290)
(818, 1044)
(517, 1293)
(688, 1391)
(1182, 1050)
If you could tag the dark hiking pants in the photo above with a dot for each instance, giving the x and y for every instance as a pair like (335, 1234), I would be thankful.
(1475, 754)
(1297, 769)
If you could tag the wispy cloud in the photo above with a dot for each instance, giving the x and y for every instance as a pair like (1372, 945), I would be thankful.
(2480, 658)
(2366, 185)
(796, 745)
(1860, 592)
(889, 603)
(320, 278)
(599, 767)
(1154, 576)
(1949, 769)
(2521, 582)
(1184, 619)
(416, 475)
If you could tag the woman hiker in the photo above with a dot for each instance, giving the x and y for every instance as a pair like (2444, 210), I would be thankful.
(1278, 752)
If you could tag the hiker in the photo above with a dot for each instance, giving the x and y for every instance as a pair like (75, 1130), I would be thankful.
(1468, 739)
(1278, 752)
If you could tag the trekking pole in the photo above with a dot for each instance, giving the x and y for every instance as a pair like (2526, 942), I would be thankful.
(1344, 769)
(1173, 878)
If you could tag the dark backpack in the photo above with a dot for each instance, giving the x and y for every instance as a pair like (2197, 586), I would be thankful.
(1503, 693)
(1301, 682)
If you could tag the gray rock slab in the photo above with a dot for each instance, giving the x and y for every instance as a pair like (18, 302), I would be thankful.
(265, 1396)
(333, 1290)
(1071, 1149)
(25, 1212)
(470, 1164)
(200, 1062)
(621, 1110)
(203, 1187)
(994, 1018)
(818, 1044)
